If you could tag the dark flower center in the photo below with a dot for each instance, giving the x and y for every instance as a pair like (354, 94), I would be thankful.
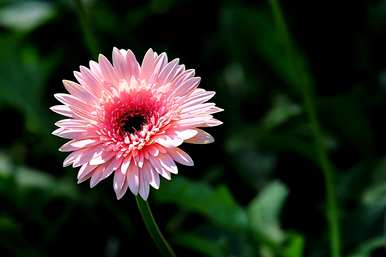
(131, 124)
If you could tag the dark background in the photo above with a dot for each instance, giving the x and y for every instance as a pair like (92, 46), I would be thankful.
(258, 190)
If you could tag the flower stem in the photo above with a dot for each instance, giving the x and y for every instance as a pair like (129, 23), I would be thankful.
(153, 229)
(88, 34)
(306, 88)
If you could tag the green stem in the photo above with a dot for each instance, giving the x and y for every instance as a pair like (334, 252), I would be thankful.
(88, 34)
(306, 88)
(153, 229)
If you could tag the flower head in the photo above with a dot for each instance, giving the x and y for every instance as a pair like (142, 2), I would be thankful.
(129, 120)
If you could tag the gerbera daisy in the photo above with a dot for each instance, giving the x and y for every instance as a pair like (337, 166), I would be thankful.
(130, 119)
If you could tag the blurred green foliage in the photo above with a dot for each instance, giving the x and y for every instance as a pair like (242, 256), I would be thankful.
(258, 190)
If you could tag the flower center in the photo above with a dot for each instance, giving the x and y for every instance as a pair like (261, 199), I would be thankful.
(133, 123)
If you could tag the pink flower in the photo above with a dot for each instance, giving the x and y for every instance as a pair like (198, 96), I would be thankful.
(130, 119)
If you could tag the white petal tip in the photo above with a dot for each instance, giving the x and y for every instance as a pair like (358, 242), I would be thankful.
(66, 164)
(100, 57)
(209, 141)
(144, 195)
(155, 186)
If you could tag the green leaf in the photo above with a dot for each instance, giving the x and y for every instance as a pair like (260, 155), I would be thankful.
(162, 5)
(346, 115)
(217, 204)
(367, 247)
(264, 212)
(23, 76)
(26, 16)
(283, 109)
(26, 179)
(248, 30)
(8, 224)
(293, 247)
(374, 196)
(206, 246)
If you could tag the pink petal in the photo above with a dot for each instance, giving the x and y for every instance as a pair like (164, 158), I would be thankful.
(123, 190)
(95, 70)
(133, 178)
(202, 137)
(92, 83)
(71, 123)
(139, 160)
(71, 158)
(168, 164)
(184, 76)
(195, 108)
(119, 180)
(155, 163)
(148, 64)
(85, 170)
(74, 145)
(198, 96)
(111, 167)
(133, 64)
(213, 122)
(107, 70)
(97, 175)
(192, 122)
(168, 71)
(73, 102)
(78, 91)
(72, 133)
(63, 110)
(125, 165)
(180, 156)
(161, 61)
(153, 150)
(151, 175)
(120, 184)
(84, 114)
(187, 86)
(119, 63)
(101, 156)
(85, 155)
(186, 133)
(88, 80)
(169, 140)
(143, 186)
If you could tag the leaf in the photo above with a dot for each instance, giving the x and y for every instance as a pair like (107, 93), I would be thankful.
(161, 6)
(248, 30)
(345, 114)
(294, 246)
(367, 247)
(22, 79)
(209, 247)
(283, 109)
(8, 224)
(26, 16)
(216, 204)
(374, 196)
(264, 212)
(26, 179)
